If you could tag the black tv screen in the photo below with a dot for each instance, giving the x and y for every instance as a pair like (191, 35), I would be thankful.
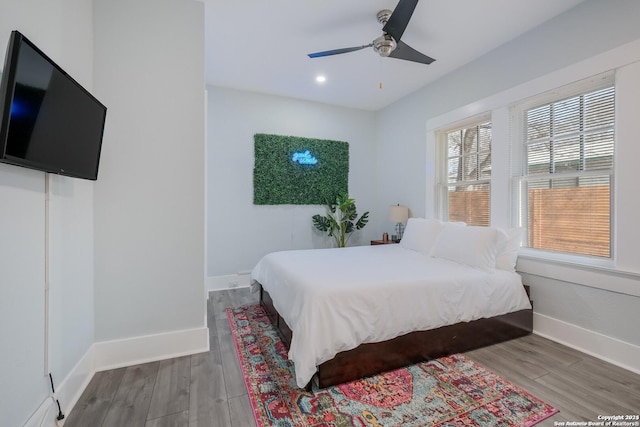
(49, 122)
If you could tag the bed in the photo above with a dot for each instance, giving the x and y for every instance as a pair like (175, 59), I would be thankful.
(347, 313)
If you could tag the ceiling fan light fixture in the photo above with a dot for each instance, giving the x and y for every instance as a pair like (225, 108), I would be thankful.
(390, 43)
(384, 15)
(384, 45)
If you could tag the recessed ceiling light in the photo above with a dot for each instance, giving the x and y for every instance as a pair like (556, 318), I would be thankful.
(321, 79)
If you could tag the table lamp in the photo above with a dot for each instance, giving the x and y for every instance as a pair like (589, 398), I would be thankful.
(400, 215)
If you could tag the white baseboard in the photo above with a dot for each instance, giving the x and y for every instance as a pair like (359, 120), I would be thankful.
(612, 350)
(106, 355)
(44, 416)
(67, 393)
(72, 387)
(149, 348)
(230, 281)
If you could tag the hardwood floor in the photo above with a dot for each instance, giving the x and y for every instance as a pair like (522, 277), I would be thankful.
(207, 389)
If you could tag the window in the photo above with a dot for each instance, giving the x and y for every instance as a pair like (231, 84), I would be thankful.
(465, 190)
(566, 186)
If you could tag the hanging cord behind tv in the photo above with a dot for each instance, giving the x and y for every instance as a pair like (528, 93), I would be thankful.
(60, 416)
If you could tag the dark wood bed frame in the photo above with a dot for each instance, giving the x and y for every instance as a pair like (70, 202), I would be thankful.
(414, 347)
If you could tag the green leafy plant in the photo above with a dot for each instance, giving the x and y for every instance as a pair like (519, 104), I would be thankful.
(341, 219)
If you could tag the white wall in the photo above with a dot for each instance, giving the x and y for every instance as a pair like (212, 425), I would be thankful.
(404, 171)
(563, 295)
(240, 233)
(63, 29)
(149, 197)
(22, 306)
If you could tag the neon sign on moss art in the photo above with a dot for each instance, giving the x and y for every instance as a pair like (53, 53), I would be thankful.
(305, 158)
(298, 171)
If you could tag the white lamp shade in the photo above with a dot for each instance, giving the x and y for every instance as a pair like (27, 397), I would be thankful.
(399, 213)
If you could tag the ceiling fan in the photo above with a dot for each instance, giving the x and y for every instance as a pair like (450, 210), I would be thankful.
(389, 43)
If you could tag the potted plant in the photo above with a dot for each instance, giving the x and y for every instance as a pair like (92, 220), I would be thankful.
(341, 219)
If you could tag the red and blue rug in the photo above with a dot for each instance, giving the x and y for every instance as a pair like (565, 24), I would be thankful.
(450, 391)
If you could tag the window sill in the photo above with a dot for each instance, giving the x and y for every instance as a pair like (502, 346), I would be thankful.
(585, 271)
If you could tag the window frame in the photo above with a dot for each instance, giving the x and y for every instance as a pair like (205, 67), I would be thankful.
(618, 275)
(442, 168)
(520, 177)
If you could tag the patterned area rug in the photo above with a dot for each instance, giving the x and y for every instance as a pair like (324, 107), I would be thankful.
(450, 391)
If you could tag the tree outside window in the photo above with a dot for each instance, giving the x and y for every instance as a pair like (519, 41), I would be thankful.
(469, 174)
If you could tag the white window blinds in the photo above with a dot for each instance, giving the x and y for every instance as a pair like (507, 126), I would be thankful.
(468, 186)
(569, 154)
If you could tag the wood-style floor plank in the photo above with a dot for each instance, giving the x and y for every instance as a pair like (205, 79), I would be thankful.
(130, 405)
(180, 419)
(207, 389)
(208, 398)
(234, 381)
(613, 376)
(171, 391)
(92, 407)
(241, 412)
(218, 301)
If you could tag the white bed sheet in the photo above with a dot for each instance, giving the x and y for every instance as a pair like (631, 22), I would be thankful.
(336, 299)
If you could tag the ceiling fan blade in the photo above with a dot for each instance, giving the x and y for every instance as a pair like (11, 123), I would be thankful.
(406, 52)
(399, 19)
(338, 51)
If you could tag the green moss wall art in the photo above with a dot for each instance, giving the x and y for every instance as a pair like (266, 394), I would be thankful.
(290, 170)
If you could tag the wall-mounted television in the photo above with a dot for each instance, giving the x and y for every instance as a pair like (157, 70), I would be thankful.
(49, 122)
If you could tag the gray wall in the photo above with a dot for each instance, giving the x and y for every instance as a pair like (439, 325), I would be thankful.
(240, 233)
(126, 254)
(149, 199)
(63, 29)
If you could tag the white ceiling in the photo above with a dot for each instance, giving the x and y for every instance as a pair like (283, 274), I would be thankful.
(262, 45)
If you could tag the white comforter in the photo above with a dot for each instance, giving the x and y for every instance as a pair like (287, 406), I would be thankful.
(337, 299)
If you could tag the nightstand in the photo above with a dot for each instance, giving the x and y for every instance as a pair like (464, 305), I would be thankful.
(382, 242)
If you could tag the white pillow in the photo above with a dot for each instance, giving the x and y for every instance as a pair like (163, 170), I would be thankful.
(508, 251)
(472, 245)
(420, 234)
